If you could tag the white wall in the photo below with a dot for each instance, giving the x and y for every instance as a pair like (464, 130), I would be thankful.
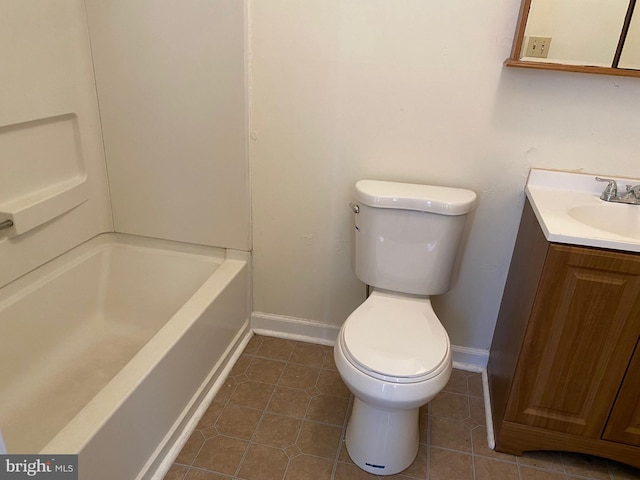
(52, 173)
(415, 91)
(171, 84)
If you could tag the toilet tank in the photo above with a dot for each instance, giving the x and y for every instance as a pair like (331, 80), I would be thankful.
(407, 235)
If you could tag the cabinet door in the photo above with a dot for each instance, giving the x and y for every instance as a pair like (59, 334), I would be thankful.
(580, 337)
(624, 423)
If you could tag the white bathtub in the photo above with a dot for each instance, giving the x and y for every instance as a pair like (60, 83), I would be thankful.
(108, 350)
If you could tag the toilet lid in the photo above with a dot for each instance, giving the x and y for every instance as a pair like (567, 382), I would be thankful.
(396, 338)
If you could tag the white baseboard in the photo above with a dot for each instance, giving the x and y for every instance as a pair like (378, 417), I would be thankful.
(269, 324)
(469, 359)
(293, 328)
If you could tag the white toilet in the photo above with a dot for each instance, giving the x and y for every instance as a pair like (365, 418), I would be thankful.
(392, 351)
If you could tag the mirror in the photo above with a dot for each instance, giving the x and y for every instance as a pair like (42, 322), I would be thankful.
(630, 57)
(594, 36)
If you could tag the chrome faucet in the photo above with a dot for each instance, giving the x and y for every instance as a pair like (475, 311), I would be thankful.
(610, 194)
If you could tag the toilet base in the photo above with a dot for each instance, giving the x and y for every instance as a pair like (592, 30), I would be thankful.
(381, 441)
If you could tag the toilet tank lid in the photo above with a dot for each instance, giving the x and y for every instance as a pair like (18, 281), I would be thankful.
(411, 196)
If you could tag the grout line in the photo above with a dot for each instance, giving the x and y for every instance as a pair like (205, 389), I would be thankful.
(519, 470)
(200, 469)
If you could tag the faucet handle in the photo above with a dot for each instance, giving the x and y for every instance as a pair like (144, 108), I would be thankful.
(634, 190)
(611, 190)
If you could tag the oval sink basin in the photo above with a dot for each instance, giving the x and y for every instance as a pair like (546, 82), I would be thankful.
(569, 210)
(616, 218)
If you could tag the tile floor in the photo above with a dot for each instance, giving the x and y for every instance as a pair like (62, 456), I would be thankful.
(282, 413)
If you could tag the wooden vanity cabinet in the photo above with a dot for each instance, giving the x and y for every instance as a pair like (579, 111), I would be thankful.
(564, 366)
(624, 422)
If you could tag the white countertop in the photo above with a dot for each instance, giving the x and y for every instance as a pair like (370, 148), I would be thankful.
(559, 199)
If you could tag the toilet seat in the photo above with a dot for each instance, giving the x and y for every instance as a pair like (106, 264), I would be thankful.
(395, 338)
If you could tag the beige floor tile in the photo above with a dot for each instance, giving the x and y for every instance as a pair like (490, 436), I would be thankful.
(474, 384)
(490, 469)
(344, 455)
(457, 383)
(221, 454)
(265, 370)
(586, 466)
(319, 439)
(289, 401)
(210, 416)
(194, 474)
(418, 469)
(263, 463)
(329, 362)
(210, 432)
(277, 431)
(292, 451)
(241, 365)
(190, 449)
(477, 411)
(450, 405)
(252, 394)
(623, 472)
(346, 471)
(308, 354)
(481, 447)
(450, 434)
(449, 465)
(275, 348)
(253, 345)
(545, 460)
(330, 383)
(299, 376)
(328, 409)
(470, 423)
(235, 421)
(528, 473)
(176, 472)
(306, 467)
(423, 425)
(226, 391)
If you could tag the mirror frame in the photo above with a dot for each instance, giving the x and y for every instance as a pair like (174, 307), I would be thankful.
(515, 61)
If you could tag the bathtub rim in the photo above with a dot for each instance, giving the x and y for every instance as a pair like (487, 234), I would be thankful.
(80, 430)
(32, 280)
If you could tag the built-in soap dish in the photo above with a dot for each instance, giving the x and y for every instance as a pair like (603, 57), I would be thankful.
(39, 207)
(43, 174)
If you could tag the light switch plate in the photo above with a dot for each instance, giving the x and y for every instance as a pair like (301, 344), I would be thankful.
(537, 47)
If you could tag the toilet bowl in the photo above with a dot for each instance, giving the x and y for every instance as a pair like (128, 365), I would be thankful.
(393, 366)
(392, 352)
